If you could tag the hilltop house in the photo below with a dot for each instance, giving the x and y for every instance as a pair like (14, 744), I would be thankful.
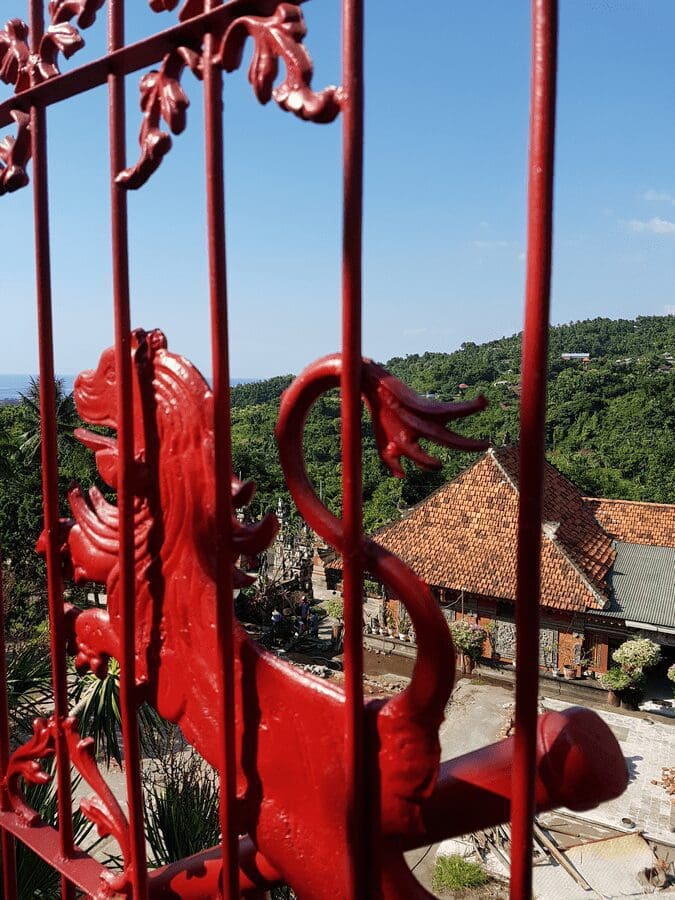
(607, 565)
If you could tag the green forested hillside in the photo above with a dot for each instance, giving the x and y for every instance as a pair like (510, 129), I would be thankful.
(610, 425)
(611, 429)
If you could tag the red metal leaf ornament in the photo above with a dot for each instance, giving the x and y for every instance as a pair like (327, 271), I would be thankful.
(102, 809)
(14, 155)
(276, 37)
(23, 764)
(83, 10)
(62, 38)
(162, 97)
(15, 55)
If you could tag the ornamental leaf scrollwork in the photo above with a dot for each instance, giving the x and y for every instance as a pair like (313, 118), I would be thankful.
(102, 809)
(162, 98)
(14, 155)
(276, 37)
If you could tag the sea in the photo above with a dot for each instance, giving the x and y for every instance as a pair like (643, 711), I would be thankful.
(12, 386)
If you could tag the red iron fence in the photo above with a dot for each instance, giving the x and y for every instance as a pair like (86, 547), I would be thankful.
(362, 781)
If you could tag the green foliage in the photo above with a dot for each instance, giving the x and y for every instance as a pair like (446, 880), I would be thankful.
(671, 673)
(335, 608)
(609, 423)
(256, 392)
(452, 873)
(615, 680)
(29, 677)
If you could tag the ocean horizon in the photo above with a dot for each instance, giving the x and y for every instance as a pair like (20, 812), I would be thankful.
(12, 385)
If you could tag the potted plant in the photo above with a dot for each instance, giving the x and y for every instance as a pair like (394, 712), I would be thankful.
(615, 681)
(570, 671)
(391, 622)
(403, 625)
(634, 657)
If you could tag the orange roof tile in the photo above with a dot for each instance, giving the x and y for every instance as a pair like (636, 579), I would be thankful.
(463, 536)
(635, 522)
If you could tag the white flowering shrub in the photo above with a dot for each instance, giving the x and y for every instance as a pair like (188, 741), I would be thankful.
(637, 655)
(671, 673)
(468, 638)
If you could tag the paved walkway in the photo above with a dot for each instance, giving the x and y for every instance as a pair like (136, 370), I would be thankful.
(648, 746)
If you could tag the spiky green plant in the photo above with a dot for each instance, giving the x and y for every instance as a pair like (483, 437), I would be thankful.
(181, 798)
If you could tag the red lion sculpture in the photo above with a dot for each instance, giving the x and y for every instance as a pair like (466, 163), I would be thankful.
(289, 725)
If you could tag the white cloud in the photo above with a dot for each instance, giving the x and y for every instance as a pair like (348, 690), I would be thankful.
(669, 310)
(659, 197)
(522, 256)
(653, 226)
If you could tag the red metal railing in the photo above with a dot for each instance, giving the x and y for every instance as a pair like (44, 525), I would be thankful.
(395, 794)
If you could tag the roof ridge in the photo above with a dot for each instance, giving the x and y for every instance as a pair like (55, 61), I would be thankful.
(631, 502)
(557, 544)
(601, 598)
(493, 456)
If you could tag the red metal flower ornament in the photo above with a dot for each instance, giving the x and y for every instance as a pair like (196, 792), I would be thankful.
(290, 760)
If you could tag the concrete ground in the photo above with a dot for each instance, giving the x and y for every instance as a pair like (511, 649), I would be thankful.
(648, 746)
(475, 716)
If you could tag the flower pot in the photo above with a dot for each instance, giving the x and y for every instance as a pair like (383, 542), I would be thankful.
(613, 698)
(402, 636)
(570, 672)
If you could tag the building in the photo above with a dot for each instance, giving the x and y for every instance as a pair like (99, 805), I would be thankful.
(607, 565)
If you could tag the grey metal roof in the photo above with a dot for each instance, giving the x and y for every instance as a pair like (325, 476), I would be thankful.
(642, 585)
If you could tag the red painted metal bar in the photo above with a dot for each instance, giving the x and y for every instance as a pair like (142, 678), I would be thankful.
(81, 869)
(6, 840)
(532, 436)
(132, 57)
(350, 383)
(215, 214)
(125, 493)
(48, 450)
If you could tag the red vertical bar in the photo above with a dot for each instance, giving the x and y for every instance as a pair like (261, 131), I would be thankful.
(48, 452)
(352, 148)
(7, 841)
(532, 436)
(215, 217)
(125, 494)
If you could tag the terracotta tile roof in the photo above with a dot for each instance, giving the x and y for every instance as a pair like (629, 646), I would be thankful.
(635, 522)
(463, 536)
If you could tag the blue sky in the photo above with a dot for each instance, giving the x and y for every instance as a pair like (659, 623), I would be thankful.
(446, 142)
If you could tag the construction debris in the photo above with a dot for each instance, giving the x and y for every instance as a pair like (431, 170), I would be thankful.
(667, 780)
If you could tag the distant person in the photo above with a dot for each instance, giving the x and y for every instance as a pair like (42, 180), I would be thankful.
(314, 625)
